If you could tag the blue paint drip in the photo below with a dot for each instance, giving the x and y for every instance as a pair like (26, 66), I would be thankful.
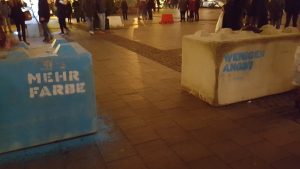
(58, 147)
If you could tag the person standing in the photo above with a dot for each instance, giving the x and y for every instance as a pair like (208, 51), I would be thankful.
(192, 8)
(276, 11)
(69, 11)
(259, 13)
(101, 12)
(124, 8)
(17, 16)
(61, 14)
(150, 5)
(5, 11)
(44, 17)
(158, 5)
(89, 8)
(182, 5)
(233, 14)
(292, 8)
(76, 7)
(197, 7)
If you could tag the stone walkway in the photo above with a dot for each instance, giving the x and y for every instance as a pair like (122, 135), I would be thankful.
(150, 123)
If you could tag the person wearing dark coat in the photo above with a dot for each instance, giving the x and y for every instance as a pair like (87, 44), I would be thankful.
(124, 8)
(233, 14)
(292, 8)
(182, 6)
(276, 11)
(44, 16)
(259, 13)
(197, 7)
(150, 5)
(61, 14)
(69, 11)
(89, 8)
(17, 16)
(77, 10)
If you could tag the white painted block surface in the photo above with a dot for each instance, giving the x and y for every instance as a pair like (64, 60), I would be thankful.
(115, 22)
(227, 67)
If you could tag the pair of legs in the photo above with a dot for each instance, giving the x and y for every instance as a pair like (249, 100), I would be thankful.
(293, 16)
(124, 13)
(197, 15)
(21, 26)
(182, 16)
(90, 21)
(47, 34)
(62, 24)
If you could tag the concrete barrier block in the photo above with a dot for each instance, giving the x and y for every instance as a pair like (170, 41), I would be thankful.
(46, 99)
(237, 66)
(115, 22)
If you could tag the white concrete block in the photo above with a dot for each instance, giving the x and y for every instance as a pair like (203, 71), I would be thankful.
(227, 67)
(115, 22)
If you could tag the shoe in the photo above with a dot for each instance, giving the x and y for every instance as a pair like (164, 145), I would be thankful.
(27, 43)
(91, 32)
(61, 33)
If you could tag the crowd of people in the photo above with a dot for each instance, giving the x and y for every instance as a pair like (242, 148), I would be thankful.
(12, 10)
(253, 14)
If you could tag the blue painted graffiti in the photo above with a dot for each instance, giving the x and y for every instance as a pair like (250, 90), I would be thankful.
(242, 61)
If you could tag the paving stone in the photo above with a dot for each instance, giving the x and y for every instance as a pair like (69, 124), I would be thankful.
(148, 113)
(243, 136)
(140, 104)
(119, 113)
(90, 162)
(267, 151)
(191, 150)
(211, 162)
(116, 150)
(189, 123)
(14, 165)
(173, 135)
(223, 124)
(156, 155)
(208, 135)
(161, 122)
(290, 162)
(133, 162)
(141, 135)
(293, 148)
(250, 163)
(229, 151)
(131, 123)
(81, 152)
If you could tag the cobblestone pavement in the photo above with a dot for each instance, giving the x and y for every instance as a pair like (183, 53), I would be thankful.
(150, 123)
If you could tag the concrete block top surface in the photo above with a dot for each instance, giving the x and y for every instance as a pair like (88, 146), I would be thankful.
(227, 35)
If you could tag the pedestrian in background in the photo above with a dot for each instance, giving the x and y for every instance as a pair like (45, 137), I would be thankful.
(61, 14)
(77, 10)
(233, 14)
(89, 8)
(101, 12)
(18, 17)
(124, 8)
(276, 8)
(5, 12)
(44, 17)
(292, 8)
(197, 7)
(69, 11)
(192, 8)
(150, 5)
(258, 13)
(182, 6)
(158, 5)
